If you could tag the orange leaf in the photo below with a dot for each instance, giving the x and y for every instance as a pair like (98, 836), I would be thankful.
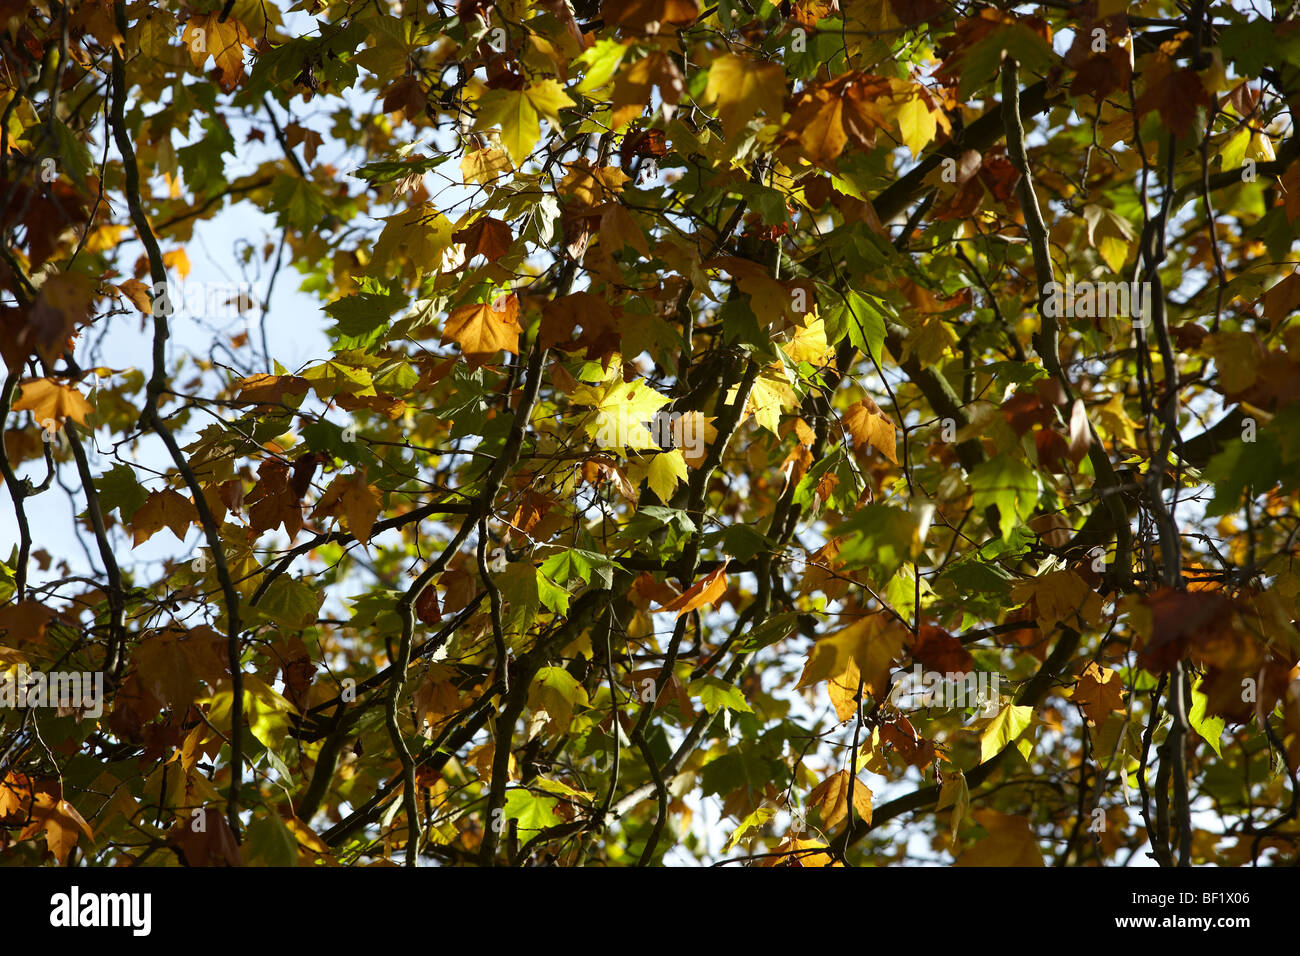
(482, 330)
(704, 591)
(870, 426)
(48, 401)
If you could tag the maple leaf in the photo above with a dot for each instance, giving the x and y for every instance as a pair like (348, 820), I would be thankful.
(59, 820)
(649, 16)
(870, 426)
(1099, 691)
(1009, 842)
(703, 592)
(1059, 596)
(50, 401)
(622, 409)
(487, 237)
(352, 500)
(665, 471)
(941, 652)
(742, 88)
(1176, 96)
(420, 236)
(518, 112)
(1004, 728)
(485, 165)
(206, 35)
(871, 642)
(482, 329)
(162, 509)
(831, 797)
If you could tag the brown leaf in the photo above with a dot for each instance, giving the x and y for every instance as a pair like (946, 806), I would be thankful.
(487, 237)
(940, 651)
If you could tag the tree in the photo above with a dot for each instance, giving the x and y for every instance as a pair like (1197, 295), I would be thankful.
(867, 424)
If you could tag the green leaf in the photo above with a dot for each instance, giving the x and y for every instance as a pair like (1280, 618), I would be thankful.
(1011, 721)
(566, 564)
(270, 843)
(555, 691)
(530, 811)
(716, 694)
(1209, 727)
(291, 603)
(362, 319)
(297, 203)
(119, 488)
(1008, 484)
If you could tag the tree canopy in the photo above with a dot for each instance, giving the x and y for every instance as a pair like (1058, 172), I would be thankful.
(836, 432)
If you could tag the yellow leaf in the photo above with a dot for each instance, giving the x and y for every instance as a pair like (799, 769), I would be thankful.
(178, 260)
(742, 87)
(1010, 842)
(916, 123)
(420, 236)
(1059, 596)
(843, 691)
(831, 796)
(517, 113)
(1109, 234)
(48, 401)
(956, 794)
(872, 642)
(770, 395)
(1011, 721)
(665, 471)
(808, 344)
(484, 165)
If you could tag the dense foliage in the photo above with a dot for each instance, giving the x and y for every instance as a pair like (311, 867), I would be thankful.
(715, 399)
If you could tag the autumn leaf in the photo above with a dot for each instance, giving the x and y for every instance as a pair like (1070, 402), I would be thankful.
(703, 592)
(353, 501)
(872, 643)
(482, 329)
(487, 237)
(870, 426)
(162, 509)
(1005, 728)
(50, 401)
(517, 114)
(59, 820)
(831, 798)
(1008, 842)
(743, 88)
(206, 35)
(1099, 691)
